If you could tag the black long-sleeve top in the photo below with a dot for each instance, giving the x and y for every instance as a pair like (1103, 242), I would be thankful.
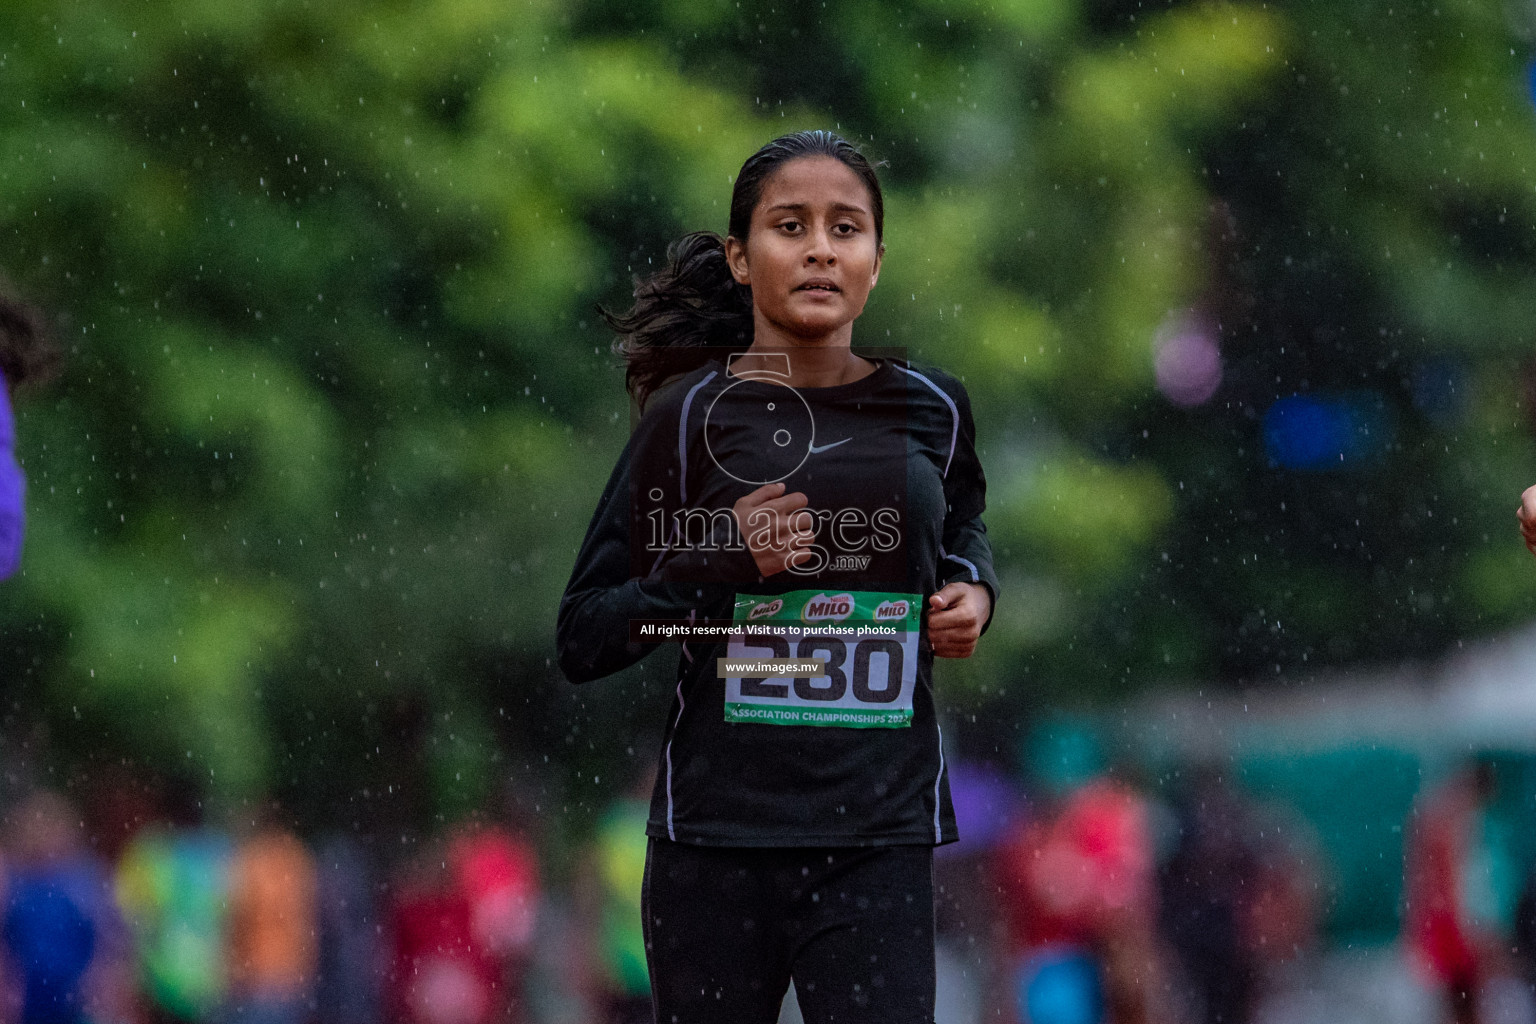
(851, 757)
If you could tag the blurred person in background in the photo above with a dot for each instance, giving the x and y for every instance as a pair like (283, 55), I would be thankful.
(350, 965)
(439, 973)
(272, 926)
(614, 977)
(61, 926)
(25, 355)
(1237, 898)
(173, 885)
(497, 874)
(1079, 889)
(1460, 895)
(1283, 915)
(1205, 889)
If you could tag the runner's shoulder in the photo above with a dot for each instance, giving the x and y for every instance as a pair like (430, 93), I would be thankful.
(667, 401)
(934, 377)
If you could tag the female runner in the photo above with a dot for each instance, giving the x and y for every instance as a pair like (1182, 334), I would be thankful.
(830, 506)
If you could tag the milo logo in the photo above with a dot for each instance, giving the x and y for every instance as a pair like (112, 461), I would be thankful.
(765, 609)
(822, 608)
(891, 610)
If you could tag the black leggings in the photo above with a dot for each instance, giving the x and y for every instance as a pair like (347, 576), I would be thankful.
(727, 928)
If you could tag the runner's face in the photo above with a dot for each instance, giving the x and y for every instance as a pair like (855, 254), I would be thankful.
(811, 256)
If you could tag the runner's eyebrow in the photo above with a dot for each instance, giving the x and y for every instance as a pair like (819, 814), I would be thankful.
(839, 207)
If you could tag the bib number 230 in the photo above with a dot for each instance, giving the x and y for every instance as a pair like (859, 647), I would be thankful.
(867, 681)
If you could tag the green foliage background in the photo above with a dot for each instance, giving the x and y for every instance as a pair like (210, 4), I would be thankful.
(336, 405)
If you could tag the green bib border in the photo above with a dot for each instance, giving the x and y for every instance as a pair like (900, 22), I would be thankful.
(861, 613)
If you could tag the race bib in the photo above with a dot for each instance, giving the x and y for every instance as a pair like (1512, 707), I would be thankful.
(867, 640)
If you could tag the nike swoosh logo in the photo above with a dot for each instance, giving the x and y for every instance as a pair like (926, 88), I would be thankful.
(817, 451)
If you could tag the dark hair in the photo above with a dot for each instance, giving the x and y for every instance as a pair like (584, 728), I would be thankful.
(25, 352)
(692, 309)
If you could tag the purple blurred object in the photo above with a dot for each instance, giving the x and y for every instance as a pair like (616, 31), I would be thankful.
(986, 805)
(12, 490)
(1186, 360)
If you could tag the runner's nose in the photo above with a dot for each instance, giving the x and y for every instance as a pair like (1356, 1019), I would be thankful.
(821, 250)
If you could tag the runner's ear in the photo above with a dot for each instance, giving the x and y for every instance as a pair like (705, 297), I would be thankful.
(736, 259)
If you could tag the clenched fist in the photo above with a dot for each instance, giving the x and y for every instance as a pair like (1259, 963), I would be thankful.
(955, 617)
(776, 527)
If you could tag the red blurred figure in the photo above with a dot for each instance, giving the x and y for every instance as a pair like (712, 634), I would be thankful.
(498, 874)
(1082, 882)
(439, 973)
(1457, 949)
(461, 925)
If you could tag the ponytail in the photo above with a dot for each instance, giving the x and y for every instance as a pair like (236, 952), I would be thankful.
(689, 312)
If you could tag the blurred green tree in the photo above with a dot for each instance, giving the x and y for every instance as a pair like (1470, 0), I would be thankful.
(337, 405)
